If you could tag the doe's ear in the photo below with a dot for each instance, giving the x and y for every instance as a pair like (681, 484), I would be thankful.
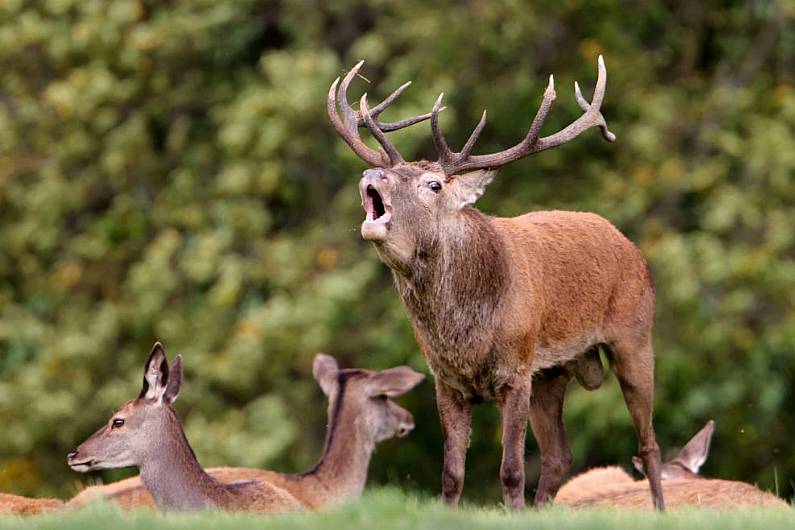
(393, 382)
(174, 380)
(638, 464)
(469, 187)
(155, 374)
(324, 370)
(695, 452)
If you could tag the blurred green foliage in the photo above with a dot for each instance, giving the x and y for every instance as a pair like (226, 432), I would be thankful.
(167, 171)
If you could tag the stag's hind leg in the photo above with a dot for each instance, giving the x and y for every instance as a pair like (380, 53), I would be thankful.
(546, 419)
(633, 364)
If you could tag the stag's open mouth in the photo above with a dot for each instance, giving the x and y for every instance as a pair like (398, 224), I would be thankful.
(85, 465)
(374, 204)
(378, 214)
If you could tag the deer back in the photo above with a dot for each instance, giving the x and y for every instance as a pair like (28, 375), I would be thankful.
(679, 493)
(18, 505)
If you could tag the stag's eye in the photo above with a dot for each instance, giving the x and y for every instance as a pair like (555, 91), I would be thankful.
(435, 186)
(118, 422)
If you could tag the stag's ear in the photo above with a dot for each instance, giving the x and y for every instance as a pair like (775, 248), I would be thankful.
(468, 187)
(325, 370)
(695, 452)
(393, 382)
(174, 380)
(155, 374)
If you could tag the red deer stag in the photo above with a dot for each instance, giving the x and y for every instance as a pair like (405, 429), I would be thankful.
(360, 414)
(500, 306)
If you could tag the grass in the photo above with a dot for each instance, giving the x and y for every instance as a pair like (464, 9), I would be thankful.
(392, 509)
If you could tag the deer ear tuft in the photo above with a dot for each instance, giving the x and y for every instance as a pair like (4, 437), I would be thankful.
(470, 186)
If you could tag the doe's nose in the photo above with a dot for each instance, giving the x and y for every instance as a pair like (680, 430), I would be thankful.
(405, 427)
(72, 455)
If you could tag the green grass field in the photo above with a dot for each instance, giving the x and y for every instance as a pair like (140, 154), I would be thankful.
(392, 509)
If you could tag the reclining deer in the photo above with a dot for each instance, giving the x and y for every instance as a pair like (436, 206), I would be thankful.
(147, 432)
(18, 505)
(505, 308)
(612, 487)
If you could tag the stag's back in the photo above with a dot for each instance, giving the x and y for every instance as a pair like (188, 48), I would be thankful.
(580, 276)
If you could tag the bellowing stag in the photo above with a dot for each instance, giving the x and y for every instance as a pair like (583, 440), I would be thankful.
(506, 308)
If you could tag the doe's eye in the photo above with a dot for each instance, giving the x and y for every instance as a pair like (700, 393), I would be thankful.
(118, 422)
(435, 186)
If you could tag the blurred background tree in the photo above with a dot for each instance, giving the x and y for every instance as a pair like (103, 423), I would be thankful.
(167, 171)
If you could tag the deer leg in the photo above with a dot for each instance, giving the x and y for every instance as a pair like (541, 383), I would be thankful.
(455, 415)
(546, 419)
(634, 368)
(515, 408)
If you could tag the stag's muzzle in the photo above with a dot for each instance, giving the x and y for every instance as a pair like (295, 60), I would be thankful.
(374, 189)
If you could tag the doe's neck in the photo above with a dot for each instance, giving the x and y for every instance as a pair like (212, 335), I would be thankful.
(348, 448)
(174, 477)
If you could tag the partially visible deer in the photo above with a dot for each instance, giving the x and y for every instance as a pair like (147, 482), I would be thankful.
(360, 414)
(147, 433)
(18, 505)
(506, 308)
(612, 487)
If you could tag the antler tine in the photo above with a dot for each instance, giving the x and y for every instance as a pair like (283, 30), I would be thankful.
(378, 109)
(351, 120)
(447, 158)
(349, 115)
(372, 126)
(531, 144)
(473, 138)
(541, 114)
(591, 118)
(395, 125)
(347, 127)
(445, 154)
(598, 96)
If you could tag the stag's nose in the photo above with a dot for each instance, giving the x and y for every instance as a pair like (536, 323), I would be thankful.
(72, 455)
(375, 175)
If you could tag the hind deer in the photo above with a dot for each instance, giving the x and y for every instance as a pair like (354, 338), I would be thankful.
(508, 309)
(147, 433)
(612, 487)
(18, 505)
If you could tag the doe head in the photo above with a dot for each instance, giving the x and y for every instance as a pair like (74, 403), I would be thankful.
(689, 459)
(136, 431)
(365, 395)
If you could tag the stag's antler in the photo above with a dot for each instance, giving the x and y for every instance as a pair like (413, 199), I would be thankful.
(453, 163)
(348, 126)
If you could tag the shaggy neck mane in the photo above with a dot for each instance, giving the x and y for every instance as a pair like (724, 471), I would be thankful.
(456, 282)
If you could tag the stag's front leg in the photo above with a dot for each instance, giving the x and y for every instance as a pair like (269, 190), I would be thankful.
(515, 408)
(455, 414)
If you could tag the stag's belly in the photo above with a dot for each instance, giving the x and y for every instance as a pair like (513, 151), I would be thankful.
(482, 375)
(547, 354)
